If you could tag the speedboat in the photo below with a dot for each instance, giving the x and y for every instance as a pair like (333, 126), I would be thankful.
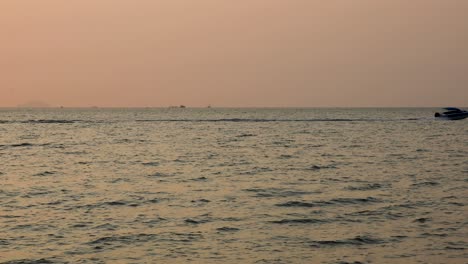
(452, 113)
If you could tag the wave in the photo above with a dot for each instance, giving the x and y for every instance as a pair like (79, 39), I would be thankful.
(51, 121)
(260, 120)
(366, 187)
(141, 238)
(122, 238)
(47, 121)
(4, 242)
(356, 241)
(27, 144)
(119, 203)
(227, 229)
(45, 173)
(40, 121)
(275, 192)
(221, 120)
(337, 201)
(300, 221)
(31, 261)
(196, 222)
(18, 145)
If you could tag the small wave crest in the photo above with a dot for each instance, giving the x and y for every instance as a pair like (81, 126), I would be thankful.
(259, 120)
(337, 201)
(27, 144)
(117, 241)
(40, 121)
(275, 192)
(227, 229)
(300, 221)
(366, 187)
(31, 261)
(355, 241)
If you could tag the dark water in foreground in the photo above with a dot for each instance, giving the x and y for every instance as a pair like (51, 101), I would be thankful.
(232, 186)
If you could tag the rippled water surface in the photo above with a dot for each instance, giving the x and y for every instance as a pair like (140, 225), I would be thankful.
(232, 186)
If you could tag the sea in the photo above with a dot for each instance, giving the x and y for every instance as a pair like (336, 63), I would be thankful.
(232, 185)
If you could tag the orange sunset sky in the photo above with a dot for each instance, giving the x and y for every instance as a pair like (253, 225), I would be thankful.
(127, 53)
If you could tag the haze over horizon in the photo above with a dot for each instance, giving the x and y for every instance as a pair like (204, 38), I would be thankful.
(258, 53)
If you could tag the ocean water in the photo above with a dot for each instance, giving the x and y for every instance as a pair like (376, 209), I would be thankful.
(232, 186)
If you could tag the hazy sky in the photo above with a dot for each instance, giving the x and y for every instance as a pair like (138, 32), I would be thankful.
(234, 52)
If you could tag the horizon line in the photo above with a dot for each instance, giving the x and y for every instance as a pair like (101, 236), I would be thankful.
(209, 107)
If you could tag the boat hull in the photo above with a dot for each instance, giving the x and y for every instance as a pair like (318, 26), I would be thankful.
(454, 116)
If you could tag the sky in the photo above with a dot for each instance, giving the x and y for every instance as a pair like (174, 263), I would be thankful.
(245, 53)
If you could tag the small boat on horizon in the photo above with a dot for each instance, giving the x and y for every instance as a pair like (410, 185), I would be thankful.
(452, 113)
